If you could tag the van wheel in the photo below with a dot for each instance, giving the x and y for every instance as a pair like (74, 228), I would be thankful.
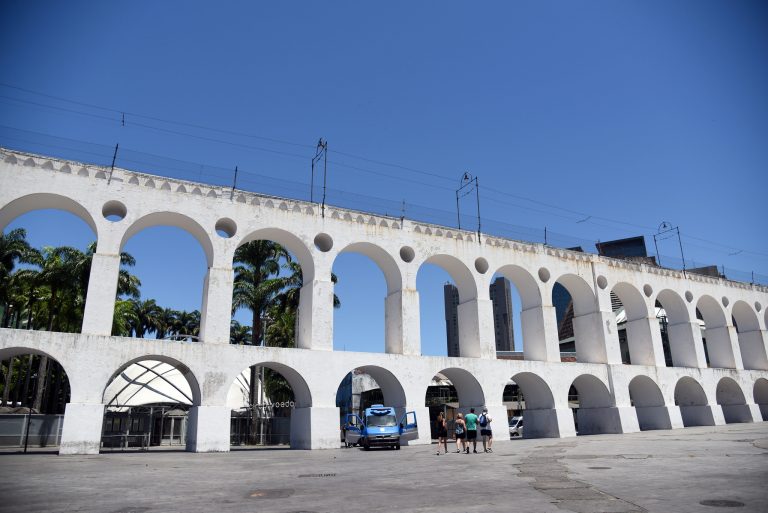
(366, 447)
(397, 447)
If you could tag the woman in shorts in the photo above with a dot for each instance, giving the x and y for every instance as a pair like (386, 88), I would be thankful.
(460, 428)
(442, 433)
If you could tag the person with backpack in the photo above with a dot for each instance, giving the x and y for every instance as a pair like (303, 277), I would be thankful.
(471, 422)
(442, 433)
(460, 428)
(485, 430)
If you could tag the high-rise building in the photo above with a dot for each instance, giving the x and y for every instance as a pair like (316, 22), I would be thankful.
(451, 300)
(502, 316)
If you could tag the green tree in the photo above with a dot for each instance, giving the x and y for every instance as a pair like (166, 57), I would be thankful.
(145, 317)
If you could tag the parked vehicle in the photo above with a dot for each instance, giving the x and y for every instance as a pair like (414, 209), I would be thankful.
(515, 427)
(380, 428)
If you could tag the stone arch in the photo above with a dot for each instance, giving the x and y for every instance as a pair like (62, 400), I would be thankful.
(639, 337)
(716, 333)
(595, 413)
(460, 273)
(292, 243)
(760, 393)
(301, 391)
(383, 260)
(530, 295)
(189, 376)
(684, 346)
(649, 404)
(172, 219)
(586, 327)
(77, 383)
(692, 401)
(731, 398)
(751, 342)
(391, 388)
(41, 201)
(467, 387)
(539, 415)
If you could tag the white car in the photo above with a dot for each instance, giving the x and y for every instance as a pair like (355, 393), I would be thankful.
(515, 427)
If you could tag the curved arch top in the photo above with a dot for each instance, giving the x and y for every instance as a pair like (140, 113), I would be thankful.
(391, 388)
(673, 305)
(383, 259)
(460, 273)
(538, 395)
(172, 219)
(746, 318)
(293, 243)
(714, 316)
(592, 392)
(530, 294)
(645, 392)
(635, 306)
(43, 201)
(301, 392)
(582, 294)
(182, 368)
(467, 387)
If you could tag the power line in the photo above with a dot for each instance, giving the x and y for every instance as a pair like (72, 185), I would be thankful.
(587, 217)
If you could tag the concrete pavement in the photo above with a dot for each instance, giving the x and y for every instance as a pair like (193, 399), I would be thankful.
(701, 469)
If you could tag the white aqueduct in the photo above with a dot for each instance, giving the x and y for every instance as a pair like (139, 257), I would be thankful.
(614, 397)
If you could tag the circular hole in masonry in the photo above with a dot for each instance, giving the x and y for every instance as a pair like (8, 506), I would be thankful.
(323, 242)
(758, 306)
(725, 301)
(647, 290)
(544, 274)
(114, 211)
(689, 296)
(226, 227)
(602, 282)
(407, 254)
(481, 265)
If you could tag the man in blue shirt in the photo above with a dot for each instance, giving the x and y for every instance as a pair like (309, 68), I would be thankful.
(471, 420)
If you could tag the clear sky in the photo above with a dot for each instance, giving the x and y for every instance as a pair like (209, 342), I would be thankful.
(598, 120)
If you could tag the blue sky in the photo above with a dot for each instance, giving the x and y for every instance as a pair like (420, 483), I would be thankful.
(632, 113)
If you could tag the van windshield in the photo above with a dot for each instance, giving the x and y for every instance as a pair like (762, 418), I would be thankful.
(381, 420)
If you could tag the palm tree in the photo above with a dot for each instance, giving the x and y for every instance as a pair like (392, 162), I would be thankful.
(124, 318)
(166, 323)
(145, 318)
(239, 334)
(257, 280)
(13, 248)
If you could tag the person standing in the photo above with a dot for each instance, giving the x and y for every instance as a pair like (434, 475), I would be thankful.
(485, 430)
(460, 428)
(471, 422)
(442, 433)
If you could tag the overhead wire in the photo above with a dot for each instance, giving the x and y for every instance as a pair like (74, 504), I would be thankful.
(486, 191)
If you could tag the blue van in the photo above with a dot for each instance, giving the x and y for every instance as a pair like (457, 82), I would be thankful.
(380, 428)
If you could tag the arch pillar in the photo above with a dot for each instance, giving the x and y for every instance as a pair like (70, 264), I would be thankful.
(402, 322)
(81, 433)
(316, 315)
(723, 347)
(540, 334)
(216, 310)
(754, 349)
(645, 346)
(686, 345)
(476, 333)
(102, 291)
(208, 429)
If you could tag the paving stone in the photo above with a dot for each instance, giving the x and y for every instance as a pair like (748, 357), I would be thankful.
(599, 506)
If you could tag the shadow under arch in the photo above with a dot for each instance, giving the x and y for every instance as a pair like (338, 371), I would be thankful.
(468, 389)
(595, 414)
(540, 417)
(682, 343)
(760, 392)
(751, 344)
(586, 328)
(718, 340)
(301, 392)
(391, 389)
(292, 243)
(638, 330)
(692, 401)
(189, 376)
(649, 404)
(731, 398)
(43, 201)
(69, 383)
(173, 219)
